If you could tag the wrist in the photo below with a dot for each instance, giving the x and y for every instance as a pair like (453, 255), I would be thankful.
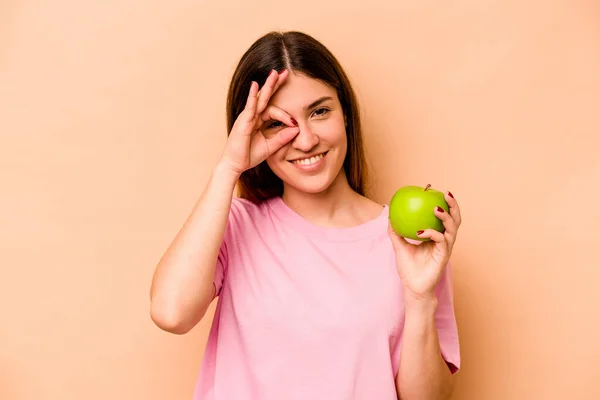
(223, 172)
(420, 304)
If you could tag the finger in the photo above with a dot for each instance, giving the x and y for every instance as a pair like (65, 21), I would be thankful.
(454, 209)
(280, 80)
(282, 77)
(266, 91)
(250, 108)
(274, 113)
(437, 237)
(398, 242)
(282, 138)
(449, 223)
(450, 226)
(262, 147)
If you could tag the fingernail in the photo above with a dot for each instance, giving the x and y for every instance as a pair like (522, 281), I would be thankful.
(294, 121)
(420, 232)
(439, 209)
(273, 72)
(450, 194)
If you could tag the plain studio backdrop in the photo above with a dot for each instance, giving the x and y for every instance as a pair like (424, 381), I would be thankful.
(112, 115)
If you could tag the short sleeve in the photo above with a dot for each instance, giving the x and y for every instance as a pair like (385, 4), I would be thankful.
(446, 321)
(237, 212)
(220, 267)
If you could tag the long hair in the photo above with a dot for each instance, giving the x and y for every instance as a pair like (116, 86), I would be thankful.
(300, 53)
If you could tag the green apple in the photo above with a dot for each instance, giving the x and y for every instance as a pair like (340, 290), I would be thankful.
(411, 210)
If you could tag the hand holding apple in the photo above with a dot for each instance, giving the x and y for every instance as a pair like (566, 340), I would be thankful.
(432, 218)
(411, 210)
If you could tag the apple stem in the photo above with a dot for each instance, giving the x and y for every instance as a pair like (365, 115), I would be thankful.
(427, 187)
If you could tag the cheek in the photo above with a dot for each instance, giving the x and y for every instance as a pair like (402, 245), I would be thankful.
(276, 160)
(334, 132)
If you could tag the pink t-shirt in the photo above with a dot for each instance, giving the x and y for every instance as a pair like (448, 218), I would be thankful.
(307, 312)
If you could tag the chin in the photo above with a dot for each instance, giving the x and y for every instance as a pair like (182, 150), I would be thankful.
(311, 186)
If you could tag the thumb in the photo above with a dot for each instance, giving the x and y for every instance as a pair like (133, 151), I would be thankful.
(398, 242)
(282, 138)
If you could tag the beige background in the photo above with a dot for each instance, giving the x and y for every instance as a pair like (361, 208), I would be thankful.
(112, 114)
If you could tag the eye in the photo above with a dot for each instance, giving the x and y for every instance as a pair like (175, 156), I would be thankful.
(274, 124)
(321, 111)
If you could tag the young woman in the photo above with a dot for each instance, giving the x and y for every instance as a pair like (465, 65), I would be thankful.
(318, 297)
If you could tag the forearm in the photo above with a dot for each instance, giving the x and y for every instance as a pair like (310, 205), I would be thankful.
(423, 374)
(182, 287)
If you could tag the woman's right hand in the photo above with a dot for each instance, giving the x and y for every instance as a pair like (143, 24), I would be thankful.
(247, 146)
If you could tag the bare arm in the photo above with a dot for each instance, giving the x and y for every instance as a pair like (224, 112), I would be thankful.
(182, 287)
(423, 373)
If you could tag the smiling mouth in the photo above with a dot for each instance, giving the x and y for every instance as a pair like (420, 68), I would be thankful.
(309, 160)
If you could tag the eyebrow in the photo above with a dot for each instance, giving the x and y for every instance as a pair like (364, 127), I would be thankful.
(318, 101)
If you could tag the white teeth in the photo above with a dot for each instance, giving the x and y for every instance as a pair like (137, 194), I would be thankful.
(309, 161)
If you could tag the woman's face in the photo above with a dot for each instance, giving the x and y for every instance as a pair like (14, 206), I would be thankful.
(314, 159)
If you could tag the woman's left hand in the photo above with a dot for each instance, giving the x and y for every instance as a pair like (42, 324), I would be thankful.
(421, 265)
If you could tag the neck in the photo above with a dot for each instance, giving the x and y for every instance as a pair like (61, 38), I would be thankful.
(332, 207)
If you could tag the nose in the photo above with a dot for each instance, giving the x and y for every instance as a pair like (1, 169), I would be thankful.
(306, 139)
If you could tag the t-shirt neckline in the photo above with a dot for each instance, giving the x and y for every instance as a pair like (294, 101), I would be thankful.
(368, 229)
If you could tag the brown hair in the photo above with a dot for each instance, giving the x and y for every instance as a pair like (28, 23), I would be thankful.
(300, 53)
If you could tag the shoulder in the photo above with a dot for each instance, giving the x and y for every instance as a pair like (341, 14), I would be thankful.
(243, 210)
(372, 209)
(243, 206)
(239, 204)
(248, 221)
